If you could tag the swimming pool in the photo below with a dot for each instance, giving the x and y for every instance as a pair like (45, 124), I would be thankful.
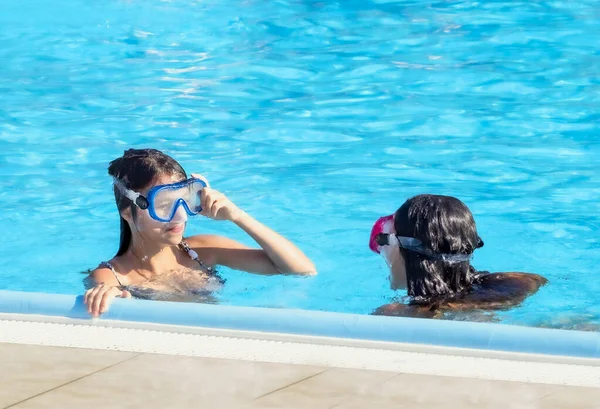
(316, 118)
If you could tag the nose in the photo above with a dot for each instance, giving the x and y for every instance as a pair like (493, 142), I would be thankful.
(180, 215)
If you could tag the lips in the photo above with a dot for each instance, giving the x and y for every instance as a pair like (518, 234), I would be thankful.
(178, 228)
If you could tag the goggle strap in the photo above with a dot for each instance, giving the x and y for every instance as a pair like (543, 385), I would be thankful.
(412, 244)
(139, 200)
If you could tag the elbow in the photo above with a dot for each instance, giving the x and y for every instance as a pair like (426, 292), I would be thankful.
(305, 269)
(308, 269)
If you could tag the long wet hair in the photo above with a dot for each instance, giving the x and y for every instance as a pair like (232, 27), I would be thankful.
(137, 169)
(445, 225)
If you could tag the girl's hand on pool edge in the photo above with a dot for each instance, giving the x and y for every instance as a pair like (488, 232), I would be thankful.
(216, 206)
(99, 298)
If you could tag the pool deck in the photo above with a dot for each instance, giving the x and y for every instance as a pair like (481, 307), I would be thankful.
(170, 355)
(35, 376)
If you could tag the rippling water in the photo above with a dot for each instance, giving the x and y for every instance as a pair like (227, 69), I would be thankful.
(315, 117)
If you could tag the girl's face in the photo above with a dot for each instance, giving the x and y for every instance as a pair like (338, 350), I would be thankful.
(170, 233)
(395, 261)
(391, 254)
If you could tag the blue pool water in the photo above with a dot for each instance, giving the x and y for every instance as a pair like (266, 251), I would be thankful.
(316, 117)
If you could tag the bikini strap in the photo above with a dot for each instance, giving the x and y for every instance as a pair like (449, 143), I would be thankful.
(110, 266)
(194, 256)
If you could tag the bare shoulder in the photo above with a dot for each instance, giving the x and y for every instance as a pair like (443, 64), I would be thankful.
(526, 281)
(200, 240)
(213, 241)
(101, 275)
(216, 250)
(404, 310)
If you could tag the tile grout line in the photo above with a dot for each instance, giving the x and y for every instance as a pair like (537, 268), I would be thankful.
(560, 389)
(291, 384)
(375, 384)
(71, 381)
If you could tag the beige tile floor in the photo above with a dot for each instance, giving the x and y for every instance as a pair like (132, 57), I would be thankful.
(34, 377)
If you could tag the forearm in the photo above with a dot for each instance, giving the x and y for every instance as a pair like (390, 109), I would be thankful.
(285, 256)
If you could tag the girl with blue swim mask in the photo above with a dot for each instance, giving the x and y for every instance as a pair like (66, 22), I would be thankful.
(155, 199)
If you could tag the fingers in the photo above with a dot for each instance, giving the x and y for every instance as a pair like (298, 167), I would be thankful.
(214, 209)
(107, 298)
(99, 298)
(97, 301)
(202, 178)
(204, 198)
(86, 295)
(217, 206)
(211, 201)
(90, 296)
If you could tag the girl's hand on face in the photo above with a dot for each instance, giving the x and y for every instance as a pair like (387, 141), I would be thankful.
(215, 205)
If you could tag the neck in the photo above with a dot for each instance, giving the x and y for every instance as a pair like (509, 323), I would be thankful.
(154, 257)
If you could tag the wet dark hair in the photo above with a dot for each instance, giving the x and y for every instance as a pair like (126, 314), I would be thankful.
(445, 225)
(137, 169)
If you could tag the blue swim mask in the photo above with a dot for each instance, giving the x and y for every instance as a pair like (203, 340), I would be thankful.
(163, 201)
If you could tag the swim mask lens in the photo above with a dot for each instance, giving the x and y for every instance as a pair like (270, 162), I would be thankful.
(384, 224)
(163, 201)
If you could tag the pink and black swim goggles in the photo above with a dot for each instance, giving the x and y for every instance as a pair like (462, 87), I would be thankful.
(381, 235)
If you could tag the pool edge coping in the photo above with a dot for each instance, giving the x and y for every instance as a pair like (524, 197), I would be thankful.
(420, 333)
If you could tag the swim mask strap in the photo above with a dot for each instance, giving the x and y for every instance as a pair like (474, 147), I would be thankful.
(139, 200)
(415, 245)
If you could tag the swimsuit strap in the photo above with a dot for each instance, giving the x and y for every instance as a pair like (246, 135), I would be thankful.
(184, 246)
(110, 266)
(194, 256)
